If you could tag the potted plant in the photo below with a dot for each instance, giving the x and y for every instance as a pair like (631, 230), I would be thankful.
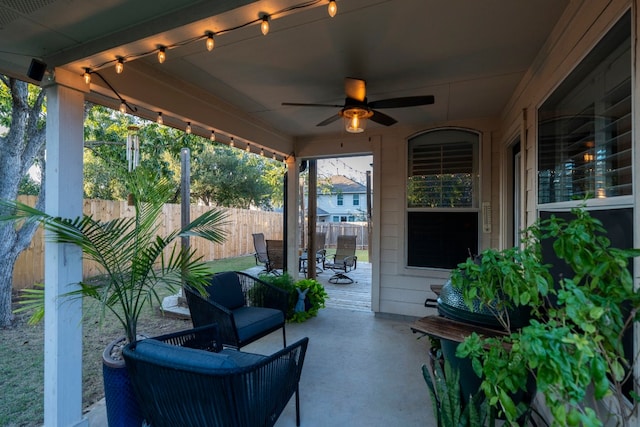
(572, 344)
(135, 263)
(307, 296)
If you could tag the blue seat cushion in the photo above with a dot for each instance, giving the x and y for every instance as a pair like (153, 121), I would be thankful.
(183, 357)
(242, 358)
(225, 289)
(252, 321)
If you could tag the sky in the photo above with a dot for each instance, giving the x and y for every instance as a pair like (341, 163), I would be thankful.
(352, 167)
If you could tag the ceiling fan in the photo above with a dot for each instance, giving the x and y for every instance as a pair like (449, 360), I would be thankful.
(356, 110)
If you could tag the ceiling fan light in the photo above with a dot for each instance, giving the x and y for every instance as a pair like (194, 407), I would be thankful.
(355, 119)
(355, 124)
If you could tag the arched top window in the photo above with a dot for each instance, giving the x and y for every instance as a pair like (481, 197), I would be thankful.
(442, 198)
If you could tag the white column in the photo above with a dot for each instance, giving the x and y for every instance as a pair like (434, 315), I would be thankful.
(63, 262)
(293, 204)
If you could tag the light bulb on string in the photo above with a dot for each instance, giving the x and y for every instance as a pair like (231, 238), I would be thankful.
(213, 135)
(123, 107)
(264, 26)
(210, 42)
(333, 8)
(159, 119)
(248, 149)
(274, 155)
(232, 143)
(120, 66)
(162, 55)
(262, 152)
(87, 76)
(188, 128)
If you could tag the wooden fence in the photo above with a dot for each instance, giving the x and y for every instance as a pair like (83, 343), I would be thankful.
(335, 229)
(241, 224)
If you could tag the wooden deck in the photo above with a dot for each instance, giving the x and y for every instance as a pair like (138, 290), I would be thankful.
(355, 296)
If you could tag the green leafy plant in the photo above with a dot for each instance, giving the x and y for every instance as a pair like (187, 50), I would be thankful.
(446, 397)
(573, 342)
(316, 295)
(134, 260)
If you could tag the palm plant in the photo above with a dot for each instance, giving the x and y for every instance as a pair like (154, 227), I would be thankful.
(134, 260)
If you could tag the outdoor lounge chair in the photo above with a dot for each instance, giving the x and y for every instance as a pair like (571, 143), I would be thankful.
(344, 260)
(260, 247)
(178, 383)
(244, 307)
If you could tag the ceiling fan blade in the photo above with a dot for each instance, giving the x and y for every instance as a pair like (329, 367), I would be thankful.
(382, 118)
(299, 104)
(329, 120)
(355, 88)
(408, 101)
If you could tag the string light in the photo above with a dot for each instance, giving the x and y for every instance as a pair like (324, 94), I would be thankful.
(123, 107)
(213, 135)
(120, 66)
(264, 26)
(274, 155)
(210, 43)
(87, 76)
(333, 8)
(208, 36)
(248, 149)
(232, 143)
(159, 119)
(262, 151)
(188, 128)
(162, 54)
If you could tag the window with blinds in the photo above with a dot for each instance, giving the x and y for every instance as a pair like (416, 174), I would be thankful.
(442, 168)
(442, 214)
(584, 128)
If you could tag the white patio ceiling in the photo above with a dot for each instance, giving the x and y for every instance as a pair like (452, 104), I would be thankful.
(469, 54)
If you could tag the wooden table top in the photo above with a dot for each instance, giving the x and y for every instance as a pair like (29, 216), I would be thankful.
(449, 329)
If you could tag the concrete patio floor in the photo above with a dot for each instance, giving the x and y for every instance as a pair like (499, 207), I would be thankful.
(360, 369)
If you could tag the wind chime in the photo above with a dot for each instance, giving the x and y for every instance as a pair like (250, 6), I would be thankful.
(133, 148)
(133, 154)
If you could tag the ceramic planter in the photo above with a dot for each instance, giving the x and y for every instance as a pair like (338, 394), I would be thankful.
(122, 407)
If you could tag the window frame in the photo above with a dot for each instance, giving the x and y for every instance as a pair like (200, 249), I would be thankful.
(476, 193)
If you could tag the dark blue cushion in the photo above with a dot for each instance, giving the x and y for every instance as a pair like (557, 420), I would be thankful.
(225, 289)
(242, 358)
(183, 357)
(251, 321)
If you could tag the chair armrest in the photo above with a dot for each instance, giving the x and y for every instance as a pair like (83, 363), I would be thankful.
(202, 338)
(205, 312)
(262, 294)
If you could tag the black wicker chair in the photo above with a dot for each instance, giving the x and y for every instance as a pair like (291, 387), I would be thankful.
(185, 386)
(244, 307)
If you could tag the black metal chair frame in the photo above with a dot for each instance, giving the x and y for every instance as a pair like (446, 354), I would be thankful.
(257, 293)
(252, 393)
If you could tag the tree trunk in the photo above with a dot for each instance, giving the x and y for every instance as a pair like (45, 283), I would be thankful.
(6, 276)
(23, 143)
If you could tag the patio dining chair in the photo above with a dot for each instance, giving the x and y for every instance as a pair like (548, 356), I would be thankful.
(275, 253)
(182, 379)
(244, 307)
(344, 260)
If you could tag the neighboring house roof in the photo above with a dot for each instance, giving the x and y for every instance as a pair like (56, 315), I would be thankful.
(321, 212)
(342, 184)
